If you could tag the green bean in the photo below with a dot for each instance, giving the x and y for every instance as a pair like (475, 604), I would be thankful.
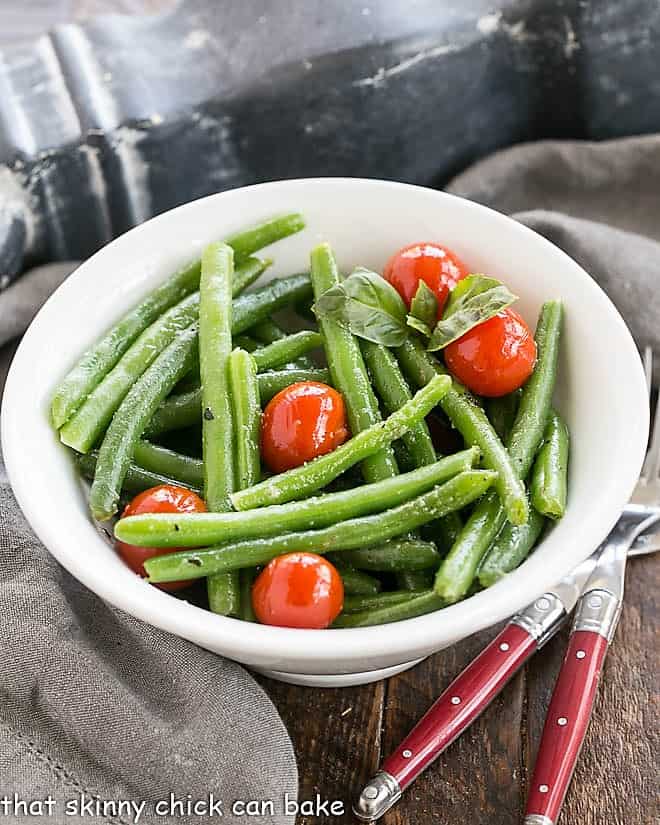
(394, 392)
(215, 326)
(548, 485)
(457, 571)
(502, 413)
(422, 603)
(83, 429)
(536, 398)
(86, 426)
(346, 535)
(246, 579)
(471, 421)
(306, 479)
(185, 409)
(257, 237)
(414, 579)
(252, 307)
(358, 604)
(357, 583)
(286, 349)
(188, 471)
(246, 411)
(444, 532)
(349, 374)
(214, 349)
(224, 593)
(102, 356)
(268, 331)
(131, 418)
(405, 554)
(247, 272)
(170, 530)
(245, 342)
(137, 478)
(510, 549)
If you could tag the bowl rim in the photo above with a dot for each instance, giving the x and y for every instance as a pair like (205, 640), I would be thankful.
(248, 641)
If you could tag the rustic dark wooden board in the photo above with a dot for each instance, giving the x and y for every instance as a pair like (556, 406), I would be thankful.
(341, 734)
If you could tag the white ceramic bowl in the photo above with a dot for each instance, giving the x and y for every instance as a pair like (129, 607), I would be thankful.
(601, 393)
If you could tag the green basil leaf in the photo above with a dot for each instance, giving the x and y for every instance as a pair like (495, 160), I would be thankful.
(473, 300)
(367, 305)
(424, 305)
(419, 326)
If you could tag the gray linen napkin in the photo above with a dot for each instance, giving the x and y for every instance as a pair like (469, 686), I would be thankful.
(96, 706)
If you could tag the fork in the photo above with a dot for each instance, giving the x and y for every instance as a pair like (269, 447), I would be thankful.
(596, 618)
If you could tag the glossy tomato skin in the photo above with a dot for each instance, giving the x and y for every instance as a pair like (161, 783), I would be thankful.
(493, 358)
(436, 265)
(298, 590)
(166, 498)
(301, 422)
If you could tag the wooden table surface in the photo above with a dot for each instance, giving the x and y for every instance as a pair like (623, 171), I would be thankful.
(341, 735)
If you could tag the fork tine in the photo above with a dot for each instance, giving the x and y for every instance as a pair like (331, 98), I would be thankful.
(651, 466)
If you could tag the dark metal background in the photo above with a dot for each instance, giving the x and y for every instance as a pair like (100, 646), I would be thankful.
(106, 123)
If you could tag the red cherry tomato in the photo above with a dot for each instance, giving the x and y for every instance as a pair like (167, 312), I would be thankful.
(493, 358)
(298, 590)
(439, 268)
(166, 498)
(301, 422)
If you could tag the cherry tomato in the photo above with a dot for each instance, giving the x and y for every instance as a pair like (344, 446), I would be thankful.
(439, 268)
(166, 498)
(298, 590)
(301, 422)
(493, 358)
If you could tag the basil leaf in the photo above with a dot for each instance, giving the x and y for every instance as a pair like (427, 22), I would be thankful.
(473, 300)
(424, 305)
(419, 326)
(367, 305)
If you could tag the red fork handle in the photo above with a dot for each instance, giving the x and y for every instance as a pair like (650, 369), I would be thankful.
(565, 726)
(456, 709)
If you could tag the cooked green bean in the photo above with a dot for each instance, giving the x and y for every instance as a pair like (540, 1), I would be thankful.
(404, 554)
(186, 470)
(306, 479)
(185, 409)
(137, 479)
(102, 356)
(419, 605)
(245, 342)
(246, 579)
(252, 307)
(270, 383)
(247, 241)
(246, 410)
(548, 485)
(502, 413)
(345, 535)
(357, 583)
(186, 530)
(131, 418)
(349, 374)
(286, 349)
(84, 428)
(215, 326)
(268, 331)
(457, 571)
(472, 423)
(414, 579)
(224, 593)
(394, 392)
(510, 549)
(358, 604)
(214, 348)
